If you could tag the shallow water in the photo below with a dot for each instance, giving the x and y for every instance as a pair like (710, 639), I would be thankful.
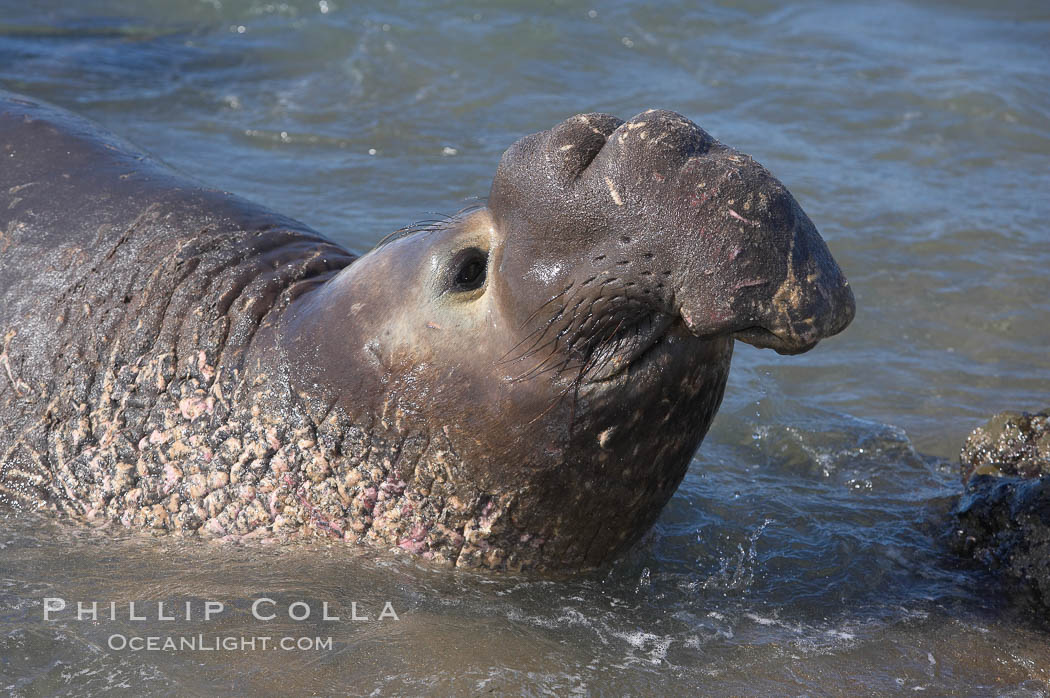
(803, 553)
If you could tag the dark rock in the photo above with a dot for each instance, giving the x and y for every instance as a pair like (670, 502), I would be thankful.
(1011, 443)
(1003, 517)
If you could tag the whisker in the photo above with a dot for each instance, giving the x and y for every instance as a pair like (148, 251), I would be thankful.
(532, 349)
(429, 225)
(549, 301)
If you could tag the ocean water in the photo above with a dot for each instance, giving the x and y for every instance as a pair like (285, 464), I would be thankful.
(804, 552)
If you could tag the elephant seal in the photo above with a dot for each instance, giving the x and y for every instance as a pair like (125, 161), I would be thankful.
(521, 386)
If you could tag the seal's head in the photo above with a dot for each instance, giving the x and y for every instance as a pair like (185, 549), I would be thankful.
(569, 343)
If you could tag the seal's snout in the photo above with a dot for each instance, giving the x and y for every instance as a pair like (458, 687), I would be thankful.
(755, 265)
(701, 229)
(745, 258)
(795, 309)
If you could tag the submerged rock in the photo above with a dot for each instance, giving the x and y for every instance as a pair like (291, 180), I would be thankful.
(1003, 517)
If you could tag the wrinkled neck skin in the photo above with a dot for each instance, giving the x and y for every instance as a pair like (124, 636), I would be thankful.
(492, 446)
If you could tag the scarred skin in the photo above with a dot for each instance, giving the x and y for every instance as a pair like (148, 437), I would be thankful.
(521, 387)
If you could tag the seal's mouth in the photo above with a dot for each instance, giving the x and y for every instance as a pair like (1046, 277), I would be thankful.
(629, 348)
(766, 339)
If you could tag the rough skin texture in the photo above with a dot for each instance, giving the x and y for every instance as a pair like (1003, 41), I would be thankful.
(1003, 517)
(124, 394)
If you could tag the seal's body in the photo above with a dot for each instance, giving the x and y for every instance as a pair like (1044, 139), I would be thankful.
(523, 386)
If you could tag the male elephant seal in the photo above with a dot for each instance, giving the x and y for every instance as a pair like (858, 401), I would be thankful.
(521, 386)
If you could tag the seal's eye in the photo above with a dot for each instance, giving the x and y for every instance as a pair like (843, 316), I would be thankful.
(468, 270)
